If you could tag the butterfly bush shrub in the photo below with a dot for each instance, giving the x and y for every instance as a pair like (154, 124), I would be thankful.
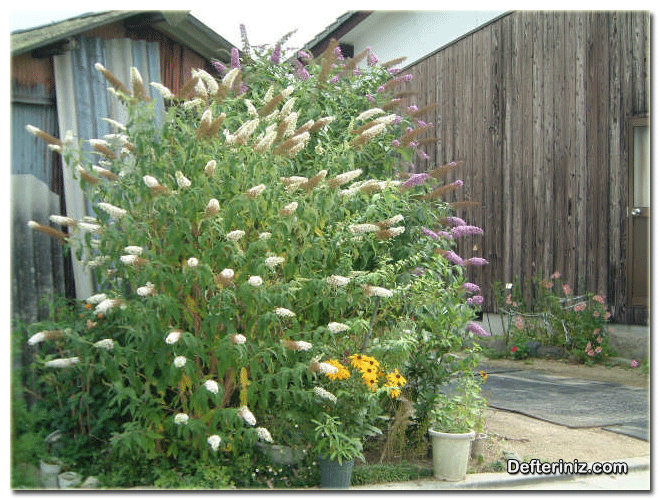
(263, 226)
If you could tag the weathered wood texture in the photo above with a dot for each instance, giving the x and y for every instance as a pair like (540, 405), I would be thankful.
(536, 105)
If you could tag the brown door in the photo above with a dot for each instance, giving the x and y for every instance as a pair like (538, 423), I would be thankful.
(639, 211)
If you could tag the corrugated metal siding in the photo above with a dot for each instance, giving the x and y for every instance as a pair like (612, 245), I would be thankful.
(83, 102)
(37, 263)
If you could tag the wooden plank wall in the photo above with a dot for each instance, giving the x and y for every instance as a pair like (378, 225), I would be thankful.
(536, 105)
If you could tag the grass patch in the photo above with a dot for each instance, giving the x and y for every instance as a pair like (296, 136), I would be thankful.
(388, 473)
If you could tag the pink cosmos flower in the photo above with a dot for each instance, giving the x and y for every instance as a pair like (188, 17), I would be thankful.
(567, 289)
(634, 363)
(519, 322)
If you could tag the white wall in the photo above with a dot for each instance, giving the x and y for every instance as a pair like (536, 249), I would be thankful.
(415, 34)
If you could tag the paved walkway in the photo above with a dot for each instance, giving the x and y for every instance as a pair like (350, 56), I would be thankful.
(637, 478)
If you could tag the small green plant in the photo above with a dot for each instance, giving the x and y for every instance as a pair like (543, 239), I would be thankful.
(387, 473)
(462, 412)
(195, 477)
(334, 444)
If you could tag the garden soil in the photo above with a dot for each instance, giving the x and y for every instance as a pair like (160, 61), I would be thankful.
(529, 438)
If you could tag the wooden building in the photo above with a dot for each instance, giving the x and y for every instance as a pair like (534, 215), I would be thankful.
(550, 114)
(55, 87)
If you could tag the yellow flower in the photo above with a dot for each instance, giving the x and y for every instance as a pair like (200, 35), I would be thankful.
(395, 393)
(342, 372)
(395, 378)
(370, 378)
(362, 362)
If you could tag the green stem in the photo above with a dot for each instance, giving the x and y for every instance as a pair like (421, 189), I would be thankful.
(367, 337)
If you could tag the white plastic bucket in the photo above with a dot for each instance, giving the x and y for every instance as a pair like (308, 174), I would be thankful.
(451, 453)
(69, 480)
(49, 471)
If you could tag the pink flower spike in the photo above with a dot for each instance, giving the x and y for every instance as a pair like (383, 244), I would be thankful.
(219, 67)
(459, 231)
(235, 58)
(454, 258)
(476, 261)
(416, 180)
(427, 232)
(455, 221)
(372, 59)
(477, 329)
(471, 287)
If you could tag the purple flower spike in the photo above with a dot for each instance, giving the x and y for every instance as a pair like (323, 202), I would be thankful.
(457, 184)
(276, 55)
(219, 67)
(371, 98)
(235, 58)
(477, 329)
(477, 300)
(476, 261)
(304, 55)
(445, 234)
(455, 221)
(395, 143)
(334, 79)
(454, 258)
(416, 180)
(471, 287)
(459, 231)
(372, 60)
(418, 271)
(337, 51)
(427, 232)
(301, 71)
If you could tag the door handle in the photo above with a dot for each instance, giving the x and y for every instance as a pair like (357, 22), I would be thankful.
(636, 211)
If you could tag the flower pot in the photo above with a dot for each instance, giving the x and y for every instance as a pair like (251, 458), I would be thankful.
(479, 445)
(451, 453)
(334, 475)
(50, 468)
(282, 454)
(69, 480)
